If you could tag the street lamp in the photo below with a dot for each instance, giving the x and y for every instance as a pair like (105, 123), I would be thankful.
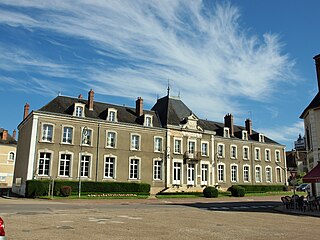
(84, 135)
(293, 173)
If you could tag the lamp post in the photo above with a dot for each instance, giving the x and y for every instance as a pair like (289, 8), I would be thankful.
(293, 173)
(84, 135)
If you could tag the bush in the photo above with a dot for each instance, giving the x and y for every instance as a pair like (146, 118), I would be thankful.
(237, 191)
(210, 192)
(261, 188)
(36, 188)
(65, 191)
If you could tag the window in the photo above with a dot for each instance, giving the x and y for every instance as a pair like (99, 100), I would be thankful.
(220, 173)
(148, 121)
(191, 174)
(261, 138)
(157, 170)
(246, 175)
(3, 178)
(245, 153)
(257, 153)
(233, 152)
(244, 135)
(134, 169)
(11, 156)
(86, 136)
(278, 172)
(176, 173)
(191, 147)
(268, 174)
(111, 139)
(204, 149)
(177, 146)
(258, 174)
(226, 132)
(44, 164)
(277, 153)
(204, 174)
(234, 173)
(220, 150)
(47, 132)
(135, 142)
(85, 166)
(64, 165)
(112, 116)
(109, 167)
(79, 111)
(67, 135)
(267, 155)
(158, 144)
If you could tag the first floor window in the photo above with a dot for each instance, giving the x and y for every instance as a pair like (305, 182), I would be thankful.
(204, 174)
(111, 139)
(177, 146)
(277, 156)
(65, 160)
(11, 156)
(67, 135)
(135, 142)
(158, 144)
(267, 155)
(191, 146)
(220, 150)
(109, 167)
(268, 174)
(246, 174)
(257, 153)
(44, 164)
(134, 169)
(258, 174)
(234, 173)
(176, 173)
(233, 152)
(85, 166)
(220, 173)
(246, 153)
(204, 149)
(157, 170)
(47, 132)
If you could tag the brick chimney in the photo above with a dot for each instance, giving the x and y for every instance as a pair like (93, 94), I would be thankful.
(139, 107)
(317, 62)
(4, 135)
(90, 99)
(14, 134)
(228, 122)
(248, 124)
(26, 110)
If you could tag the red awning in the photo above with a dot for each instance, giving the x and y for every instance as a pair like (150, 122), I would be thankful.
(313, 176)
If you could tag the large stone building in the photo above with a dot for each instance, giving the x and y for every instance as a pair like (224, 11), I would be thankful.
(8, 146)
(168, 147)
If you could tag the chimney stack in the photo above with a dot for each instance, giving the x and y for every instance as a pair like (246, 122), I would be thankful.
(139, 107)
(228, 122)
(14, 134)
(317, 62)
(4, 135)
(248, 124)
(80, 96)
(90, 99)
(26, 110)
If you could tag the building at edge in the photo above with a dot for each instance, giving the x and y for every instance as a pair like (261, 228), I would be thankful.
(168, 147)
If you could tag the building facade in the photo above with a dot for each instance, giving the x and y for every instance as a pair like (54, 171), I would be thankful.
(8, 146)
(168, 146)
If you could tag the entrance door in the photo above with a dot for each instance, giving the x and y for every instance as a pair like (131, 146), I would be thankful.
(191, 174)
(176, 173)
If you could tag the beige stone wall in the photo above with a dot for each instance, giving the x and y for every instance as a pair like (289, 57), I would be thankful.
(6, 165)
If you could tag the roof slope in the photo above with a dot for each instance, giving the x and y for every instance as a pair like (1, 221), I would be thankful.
(314, 104)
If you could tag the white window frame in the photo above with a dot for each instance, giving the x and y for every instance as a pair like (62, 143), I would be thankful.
(204, 172)
(174, 147)
(108, 143)
(280, 175)
(190, 150)
(157, 169)
(205, 154)
(236, 152)
(243, 151)
(268, 167)
(223, 172)
(133, 146)
(46, 132)
(246, 166)
(70, 164)
(266, 155)
(255, 154)
(226, 132)
(82, 155)
(191, 174)
(76, 112)
(83, 143)
(50, 163)
(109, 156)
(244, 135)
(148, 123)
(138, 168)
(177, 181)
(112, 115)
(236, 173)
(261, 137)
(63, 134)
(223, 150)
(158, 148)
(275, 156)
(10, 154)
(260, 174)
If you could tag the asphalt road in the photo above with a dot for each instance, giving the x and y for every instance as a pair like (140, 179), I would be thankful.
(244, 218)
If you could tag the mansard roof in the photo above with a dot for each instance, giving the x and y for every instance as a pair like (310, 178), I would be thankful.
(65, 105)
(172, 111)
(9, 140)
(315, 103)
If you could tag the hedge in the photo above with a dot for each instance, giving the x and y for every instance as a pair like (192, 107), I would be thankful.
(37, 188)
(237, 191)
(261, 188)
(210, 192)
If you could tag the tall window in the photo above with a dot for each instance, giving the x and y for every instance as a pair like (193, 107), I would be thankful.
(191, 146)
(246, 174)
(268, 174)
(11, 156)
(44, 164)
(112, 116)
(111, 139)
(279, 179)
(85, 166)
(258, 174)
(257, 153)
(233, 152)
(86, 136)
(67, 135)
(158, 144)
(204, 149)
(109, 166)
(135, 142)
(176, 173)
(220, 173)
(47, 132)
(220, 150)
(177, 145)
(79, 111)
(134, 169)
(234, 173)
(64, 169)
(226, 133)
(244, 135)
(191, 174)
(204, 174)
(267, 153)
(245, 153)
(277, 152)
(148, 121)
(157, 170)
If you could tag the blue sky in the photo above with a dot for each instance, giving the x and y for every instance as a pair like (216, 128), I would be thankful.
(249, 58)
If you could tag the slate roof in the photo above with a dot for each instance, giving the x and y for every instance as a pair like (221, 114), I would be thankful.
(314, 104)
(65, 105)
(10, 139)
(172, 111)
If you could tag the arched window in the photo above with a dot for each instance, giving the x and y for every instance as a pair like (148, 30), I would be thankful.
(11, 156)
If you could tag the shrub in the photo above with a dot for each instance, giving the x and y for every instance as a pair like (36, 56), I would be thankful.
(237, 191)
(65, 191)
(210, 192)
(261, 188)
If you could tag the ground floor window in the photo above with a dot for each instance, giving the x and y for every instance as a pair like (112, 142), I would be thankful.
(176, 173)
(64, 169)
(220, 173)
(258, 174)
(157, 170)
(134, 169)
(44, 164)
(268, 174)
(109, 167)
(246, 174)
(85, 166)
(191, 174)
(234, 173)
(204, 174)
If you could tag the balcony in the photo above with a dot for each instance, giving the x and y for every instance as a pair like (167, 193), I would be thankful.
(196, 156)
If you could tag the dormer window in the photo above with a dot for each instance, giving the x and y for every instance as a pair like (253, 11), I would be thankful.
(112, 115)
(148, 120)
(244, 135)
(226, 133)
(78, 110)
(261, 138)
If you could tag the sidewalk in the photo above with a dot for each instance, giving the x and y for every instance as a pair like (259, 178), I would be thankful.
(314, 213)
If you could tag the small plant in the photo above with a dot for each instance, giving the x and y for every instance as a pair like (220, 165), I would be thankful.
(65, 191)
(210, 192)
(237, 191)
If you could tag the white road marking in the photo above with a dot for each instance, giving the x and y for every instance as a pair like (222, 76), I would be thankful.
(133, 218)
